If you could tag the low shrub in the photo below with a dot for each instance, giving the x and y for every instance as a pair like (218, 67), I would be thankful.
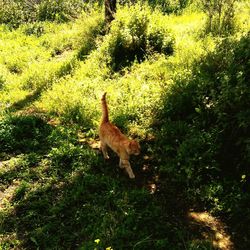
(228, 98)
(91, 26)
(11, 13)
(205, 124)
(220, 16)
(36, 29)
(134, 35)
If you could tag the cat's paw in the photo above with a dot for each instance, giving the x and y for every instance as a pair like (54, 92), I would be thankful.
(121, 166)
(132, 176)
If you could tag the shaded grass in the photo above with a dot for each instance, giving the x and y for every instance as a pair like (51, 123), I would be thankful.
(30, 63)
(65, 195)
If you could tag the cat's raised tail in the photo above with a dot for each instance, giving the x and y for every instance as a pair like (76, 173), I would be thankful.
(105, 113)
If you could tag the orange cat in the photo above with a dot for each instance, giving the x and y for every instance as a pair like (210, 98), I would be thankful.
(112, 137)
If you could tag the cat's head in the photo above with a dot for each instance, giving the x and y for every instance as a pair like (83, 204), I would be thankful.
(134, 148)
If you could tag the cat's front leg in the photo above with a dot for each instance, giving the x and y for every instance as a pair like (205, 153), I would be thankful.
(121, 164)
(126, 164)
(104, 149)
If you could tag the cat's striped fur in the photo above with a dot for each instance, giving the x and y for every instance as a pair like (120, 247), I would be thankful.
(113, 138)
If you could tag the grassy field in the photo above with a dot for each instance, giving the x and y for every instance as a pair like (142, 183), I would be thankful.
(181, 91)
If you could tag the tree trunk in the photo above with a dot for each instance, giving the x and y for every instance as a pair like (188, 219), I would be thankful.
(110, 9)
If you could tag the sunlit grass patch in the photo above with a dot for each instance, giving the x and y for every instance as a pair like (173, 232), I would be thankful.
(18, 51)
(77, 98)
(134, 93)
(186, 23)
(217, 233)
(28, 65)
(44, 57)
(242, 13)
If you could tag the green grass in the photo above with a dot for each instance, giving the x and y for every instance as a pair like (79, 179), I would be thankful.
(181, 92)
(63, 194)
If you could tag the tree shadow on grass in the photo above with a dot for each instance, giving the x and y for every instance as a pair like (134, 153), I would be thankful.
(23, 130)
(201, 143)
(66, 196)
(39, 160)
(72, 212)
(73, 208)
(29, 99)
